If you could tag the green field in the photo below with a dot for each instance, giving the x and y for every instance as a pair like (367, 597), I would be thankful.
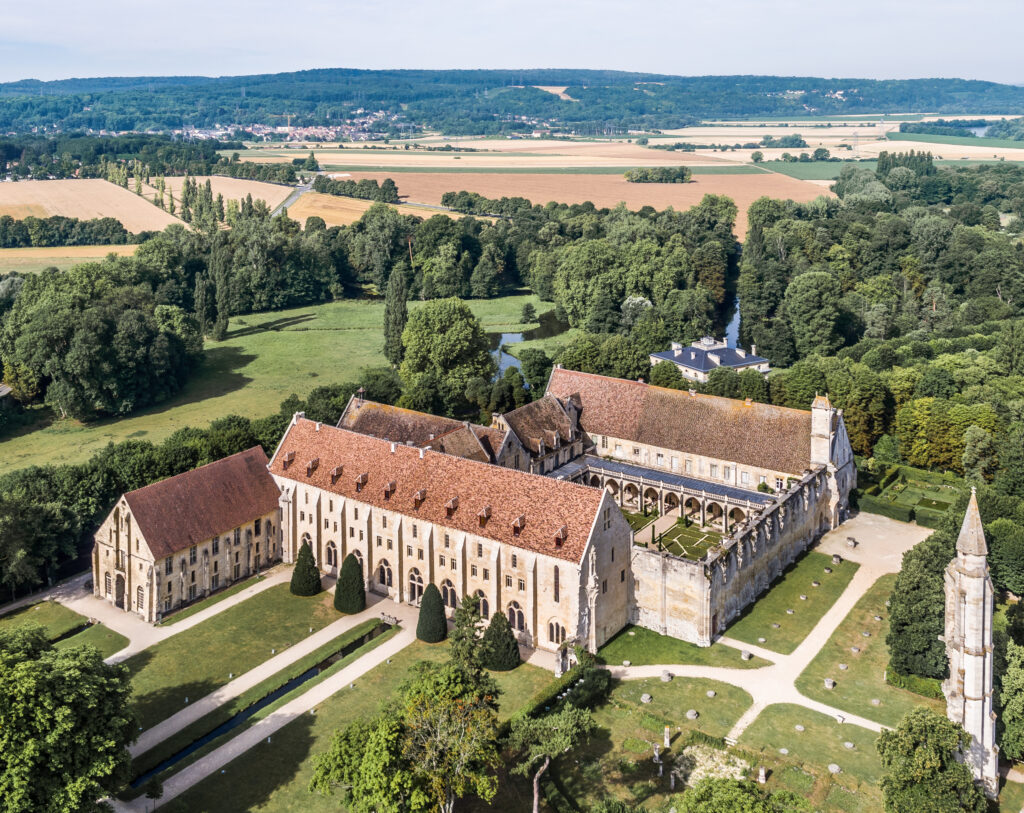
(864, 678)
(688, 540)
(104, 639)
(206, 603)
(55, 618)
(264, 359)
(643, 647)
(785, 595)
(815, 170)
(960, 141)
(274, 777)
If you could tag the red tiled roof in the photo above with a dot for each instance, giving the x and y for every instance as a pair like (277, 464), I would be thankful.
(461, 442)
(189, 508)
(754, 434)
(540, 420)
(547, 504)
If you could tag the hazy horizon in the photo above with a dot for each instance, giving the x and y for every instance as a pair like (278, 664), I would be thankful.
(872, 40)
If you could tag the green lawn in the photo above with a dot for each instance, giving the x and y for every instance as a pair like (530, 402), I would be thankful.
(275, 776)
(805, 768)
(57, 619)
(264, 359)
(784, 595)
(815, 170)
(103, 638)
(689, 540)
(1011, 797)
(643, 647)
(199, 606)
(864, 679)
(637, 521)
(960, 141)
(197, 661)
(617, 762)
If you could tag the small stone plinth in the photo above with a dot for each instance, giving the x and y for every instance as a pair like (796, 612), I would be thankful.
(866, 634)
(843, 667)
(815, 584)
(761, 640)
(711, 692)
(627, 663)
(775, 626)
(666, 676)
(632, 632)
(745, 655)
(692, 714)
(875, 701)
(803, 598)
(784, 751)
(837, 559)
(878, 618)
(887, 602)
(829, 683)
(855, 649)
(789, 611)
(798, 727)
(645, 698)
(848, 746)
(828, 570)
(833, 768)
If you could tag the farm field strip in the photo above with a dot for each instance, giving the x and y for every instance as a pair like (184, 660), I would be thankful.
(35, 259)
(341, 211)
(232, 188)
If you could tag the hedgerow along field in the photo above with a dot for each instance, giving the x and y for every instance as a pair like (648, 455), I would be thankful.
(264, 359)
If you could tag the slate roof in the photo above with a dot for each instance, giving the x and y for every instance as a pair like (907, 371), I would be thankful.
(759, 435)
(697, 358)
(507, 494)
(540, 420)
(181, 511)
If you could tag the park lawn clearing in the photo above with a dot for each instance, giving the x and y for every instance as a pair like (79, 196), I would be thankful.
(643, 647)
(55, 618)
(274, 777)
(84, 198)
(689, 540)
(103, 638)
(199, 660)
(784, 595)
(821, 743)
(617, 762)
(264, 359)
(864, 679)
(32, 260)
(216, 598)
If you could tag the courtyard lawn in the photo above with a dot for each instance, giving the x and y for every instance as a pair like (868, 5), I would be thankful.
(264, 358)
(784, 595)
(689, 540)
(642, 647)
(864, 679)
(274, 777)
(57, 619)
(103, 638)
(617, 762)
(199, 660)
(638, 521)
(804, 769)
(1011, 797)
(199, 606)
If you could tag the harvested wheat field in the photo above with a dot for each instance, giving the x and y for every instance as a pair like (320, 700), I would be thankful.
(235, 189)
(86, 199)
(34, 260)
(605, 190)
(341, 211)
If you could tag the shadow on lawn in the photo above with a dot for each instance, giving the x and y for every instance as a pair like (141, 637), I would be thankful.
(283, 323)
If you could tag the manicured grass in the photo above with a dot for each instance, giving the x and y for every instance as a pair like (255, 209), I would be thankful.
(57, 619)
(274, 776)
(199, 606)
(1011, 797)
(864, 679)
(810, 753)
(617, 762)
(552, 345)
(642, 647)
(197, 661)
(784, 595)
(689, 540)
(637, 521)
(960, 141)
(103, 638)
(264, 359)
(815, 170)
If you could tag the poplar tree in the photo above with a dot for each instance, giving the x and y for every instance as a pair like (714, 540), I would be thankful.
(396, 314)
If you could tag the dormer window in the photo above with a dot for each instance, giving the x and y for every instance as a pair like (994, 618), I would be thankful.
(452, 505)
(336, 473)
(312, 466)
(419, 497)
(389, 489)
(289, 457)
(561, 535)
(361, 481)
(518, 524)
(484, 515)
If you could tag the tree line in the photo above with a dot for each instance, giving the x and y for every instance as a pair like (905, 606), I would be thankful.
(659, 175)
(365, 189)
(65, 231)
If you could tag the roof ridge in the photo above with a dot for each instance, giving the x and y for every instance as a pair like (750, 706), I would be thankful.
(197, 468)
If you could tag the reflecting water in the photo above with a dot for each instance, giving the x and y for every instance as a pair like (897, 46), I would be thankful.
(732, 330)
(550, 325)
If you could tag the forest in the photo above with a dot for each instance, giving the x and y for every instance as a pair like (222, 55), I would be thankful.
(470, 102)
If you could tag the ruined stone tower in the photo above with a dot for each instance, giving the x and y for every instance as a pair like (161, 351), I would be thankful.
(968, 639)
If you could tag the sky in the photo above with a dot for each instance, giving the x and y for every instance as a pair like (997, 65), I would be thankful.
(895, 39)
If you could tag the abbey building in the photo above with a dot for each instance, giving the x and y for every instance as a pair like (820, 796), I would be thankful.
(532, 513)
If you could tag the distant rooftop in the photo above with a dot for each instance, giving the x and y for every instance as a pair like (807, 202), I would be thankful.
(708, 353)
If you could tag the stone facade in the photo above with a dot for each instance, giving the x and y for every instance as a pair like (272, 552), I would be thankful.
(968, 639)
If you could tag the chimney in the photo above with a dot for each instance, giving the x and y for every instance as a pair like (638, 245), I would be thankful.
(753, 349)
(318, 426)
(421, 452)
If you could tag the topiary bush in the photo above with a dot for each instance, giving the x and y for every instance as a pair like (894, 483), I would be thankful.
(305, 577)
(432, 626)
(350, 592)
(502, 651)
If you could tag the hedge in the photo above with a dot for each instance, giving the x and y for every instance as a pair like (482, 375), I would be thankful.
(928, 517)
(874, 505)
(924, 686)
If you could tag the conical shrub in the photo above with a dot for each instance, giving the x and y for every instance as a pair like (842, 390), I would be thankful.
(305, 577)
(432, 626)
(350, 592)
(501, 652)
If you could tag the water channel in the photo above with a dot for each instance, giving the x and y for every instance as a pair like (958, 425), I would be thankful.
(245, 714)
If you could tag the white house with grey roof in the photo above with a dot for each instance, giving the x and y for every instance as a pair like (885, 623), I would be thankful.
(697, 360)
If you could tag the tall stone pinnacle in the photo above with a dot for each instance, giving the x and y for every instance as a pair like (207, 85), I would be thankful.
(972, 536)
